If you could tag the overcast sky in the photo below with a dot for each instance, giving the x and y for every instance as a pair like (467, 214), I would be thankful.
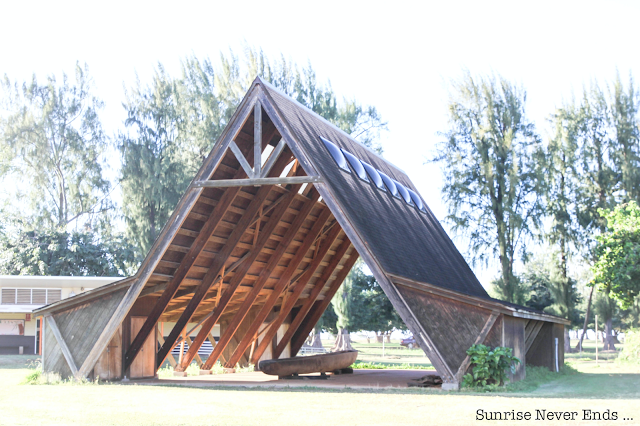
(397, 56)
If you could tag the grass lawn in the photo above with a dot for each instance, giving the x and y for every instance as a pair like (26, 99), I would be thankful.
(609, 386)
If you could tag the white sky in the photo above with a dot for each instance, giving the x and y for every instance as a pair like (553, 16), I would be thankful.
(395, 56)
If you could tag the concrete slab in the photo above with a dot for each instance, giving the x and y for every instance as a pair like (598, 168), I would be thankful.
(360, 379)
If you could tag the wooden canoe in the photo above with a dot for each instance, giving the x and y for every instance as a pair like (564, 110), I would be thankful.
(308, 364)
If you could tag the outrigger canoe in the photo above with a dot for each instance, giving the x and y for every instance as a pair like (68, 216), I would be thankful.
(323, 363)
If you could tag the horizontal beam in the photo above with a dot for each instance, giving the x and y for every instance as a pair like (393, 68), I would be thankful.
(223, 183)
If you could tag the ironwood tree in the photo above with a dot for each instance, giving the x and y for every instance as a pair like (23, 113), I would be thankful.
(53, 144)
(490, 157)
(342, 303)
(173, 122)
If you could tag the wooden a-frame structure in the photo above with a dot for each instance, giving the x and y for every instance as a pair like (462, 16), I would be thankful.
(260, 242)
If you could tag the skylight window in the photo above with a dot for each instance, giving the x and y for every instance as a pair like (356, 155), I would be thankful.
(356, 164)
(336, 154)
(403, 191)
(374, 175)
(389, 183)
(417, 200)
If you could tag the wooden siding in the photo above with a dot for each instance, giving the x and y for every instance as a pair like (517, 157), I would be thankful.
(80, 327)
(513, 337)
(452, 326)
(109, 365)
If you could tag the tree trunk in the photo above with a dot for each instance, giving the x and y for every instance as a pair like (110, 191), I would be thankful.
(343, 341)
(608, 335)
(316, 342)
(586, 320)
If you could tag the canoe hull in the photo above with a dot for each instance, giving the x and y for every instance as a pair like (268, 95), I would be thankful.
(308, 364)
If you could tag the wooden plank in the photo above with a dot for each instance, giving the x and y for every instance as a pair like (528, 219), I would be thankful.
(266, 271)
(63, 346)
(306, 306)
(318, 308)
(257, 139)
(223, 183)
(270, 226)
(214, 271)
(283, 282)
(183, 270)
(483, 334)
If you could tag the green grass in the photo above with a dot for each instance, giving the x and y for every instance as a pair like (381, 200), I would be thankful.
(609, 385)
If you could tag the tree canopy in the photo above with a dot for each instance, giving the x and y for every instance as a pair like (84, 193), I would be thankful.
(617, 268)
(491, 173)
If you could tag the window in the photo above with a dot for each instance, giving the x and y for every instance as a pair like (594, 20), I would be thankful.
(417, 200)
(8, 296)
(374, 175)
(356, 165)
(389, 183)
(336, 154)
(403, 191)
(30, 296)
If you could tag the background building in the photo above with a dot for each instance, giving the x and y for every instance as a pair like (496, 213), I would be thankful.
(20, 295)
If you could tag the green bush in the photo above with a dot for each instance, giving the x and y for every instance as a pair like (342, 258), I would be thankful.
(489, 366)
(631, 351)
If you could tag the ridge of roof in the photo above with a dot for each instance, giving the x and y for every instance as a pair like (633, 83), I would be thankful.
(299, 105)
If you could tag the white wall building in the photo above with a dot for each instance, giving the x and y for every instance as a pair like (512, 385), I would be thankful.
(20, 295)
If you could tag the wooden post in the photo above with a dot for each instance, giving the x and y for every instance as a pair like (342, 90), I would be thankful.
(257, 139)
(596, 339)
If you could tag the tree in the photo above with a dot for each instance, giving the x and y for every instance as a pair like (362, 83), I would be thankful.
(371, 310)
(342, 302)
(560, 189)
(617, 268)
(64, 254)
(53, 142)
(490, 159)
(173, 123)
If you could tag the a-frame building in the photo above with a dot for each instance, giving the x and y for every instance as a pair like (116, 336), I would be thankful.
(260, 242)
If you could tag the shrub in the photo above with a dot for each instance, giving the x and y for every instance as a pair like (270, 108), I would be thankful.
(489, 366)
(631, 351)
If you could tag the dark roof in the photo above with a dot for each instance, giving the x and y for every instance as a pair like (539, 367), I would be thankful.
(405, 241)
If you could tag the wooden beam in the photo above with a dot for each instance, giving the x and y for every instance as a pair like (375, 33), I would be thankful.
(282, 283)
(170, 358)
(319, 307)
(257, 139)
(240, 157)
(532, 335)
(63, 346)
(214, 271)
(483, 335)
(306, 306)
(272, 158)
(223, 183)
(265, 274)
(183, 270)
(224, 300)
(302, 282)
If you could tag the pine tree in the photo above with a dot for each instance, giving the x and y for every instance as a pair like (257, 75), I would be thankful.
(52, 141)
(490, 158)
